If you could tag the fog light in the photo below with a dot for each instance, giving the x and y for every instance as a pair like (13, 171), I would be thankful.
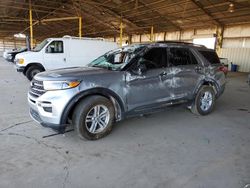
(47, 109)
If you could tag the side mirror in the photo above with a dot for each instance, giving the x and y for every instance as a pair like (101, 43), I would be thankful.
(141, 68)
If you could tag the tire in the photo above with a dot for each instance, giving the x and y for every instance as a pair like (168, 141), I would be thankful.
(205, 106)
(32, 71)
(84, 113)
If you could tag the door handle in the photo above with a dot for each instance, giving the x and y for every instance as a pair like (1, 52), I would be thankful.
(64, 59)
(163, 74)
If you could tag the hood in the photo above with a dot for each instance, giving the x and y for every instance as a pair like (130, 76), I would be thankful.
(23, 54)
(29, 57)
(73, 73)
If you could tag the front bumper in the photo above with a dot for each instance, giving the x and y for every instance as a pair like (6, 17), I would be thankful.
(19, 68)
(35, 116)
(48, 108)
(9, 59)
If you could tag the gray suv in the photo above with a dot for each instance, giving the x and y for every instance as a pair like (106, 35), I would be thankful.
(129, 81)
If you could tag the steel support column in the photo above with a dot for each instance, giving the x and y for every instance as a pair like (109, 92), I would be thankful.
(152, 34)
(121, 33)
(31, 25)
(80, 27)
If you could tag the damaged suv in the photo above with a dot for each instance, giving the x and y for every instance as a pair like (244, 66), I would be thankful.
(128, 81)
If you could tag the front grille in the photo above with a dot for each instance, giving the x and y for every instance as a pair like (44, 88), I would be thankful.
(36, 88)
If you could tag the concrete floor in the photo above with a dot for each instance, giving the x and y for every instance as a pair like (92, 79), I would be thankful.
(171, 149)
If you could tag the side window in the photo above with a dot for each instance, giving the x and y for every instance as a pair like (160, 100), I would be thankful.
(181, 56)
(55, 47)
(155, 58)
(211, 56)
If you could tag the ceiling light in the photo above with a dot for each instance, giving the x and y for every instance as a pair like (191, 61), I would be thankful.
(231, 7)
(179, 21)
(20, 35)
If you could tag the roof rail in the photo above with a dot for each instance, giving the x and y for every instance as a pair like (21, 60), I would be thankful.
(179, 42)
(83, 38)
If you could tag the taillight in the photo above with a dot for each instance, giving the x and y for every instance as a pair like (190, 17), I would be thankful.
(223, 69)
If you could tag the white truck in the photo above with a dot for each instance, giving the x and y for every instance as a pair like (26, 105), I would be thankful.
(55, 53)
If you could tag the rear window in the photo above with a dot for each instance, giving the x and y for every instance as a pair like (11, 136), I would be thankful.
(181, 56)
(210, 56)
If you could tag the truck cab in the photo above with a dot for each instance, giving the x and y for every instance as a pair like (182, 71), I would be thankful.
(55, 53)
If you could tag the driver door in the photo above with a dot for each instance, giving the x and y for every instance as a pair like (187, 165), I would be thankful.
(55, 56)
(150, 88)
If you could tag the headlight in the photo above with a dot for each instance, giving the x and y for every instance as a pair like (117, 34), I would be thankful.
(20, 61)
(58, 85)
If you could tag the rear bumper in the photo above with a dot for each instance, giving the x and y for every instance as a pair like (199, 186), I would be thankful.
(221, 91)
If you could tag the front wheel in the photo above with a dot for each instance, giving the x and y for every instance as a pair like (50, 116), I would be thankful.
(93, 117)
(32, 71)
(204, 101)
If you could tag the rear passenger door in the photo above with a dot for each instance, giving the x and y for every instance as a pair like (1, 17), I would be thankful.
(186, 72)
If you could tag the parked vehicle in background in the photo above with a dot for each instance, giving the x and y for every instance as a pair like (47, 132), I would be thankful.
(55, 53)
(5, 53)
(10, 56)
(128, 81)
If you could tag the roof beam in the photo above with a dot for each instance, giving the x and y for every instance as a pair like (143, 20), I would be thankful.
(50, 13)
(199, 5)
(117, 16)
(161, 16)
(88, 13)
(145, 12)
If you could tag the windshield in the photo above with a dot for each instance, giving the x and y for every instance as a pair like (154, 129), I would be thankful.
(40, 46)
(116, 59)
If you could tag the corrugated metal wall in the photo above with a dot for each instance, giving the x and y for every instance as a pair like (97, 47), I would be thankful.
(239, 56)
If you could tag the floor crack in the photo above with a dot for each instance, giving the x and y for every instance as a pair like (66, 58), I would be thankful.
(66, 168)
(55, 148)
(16, 124)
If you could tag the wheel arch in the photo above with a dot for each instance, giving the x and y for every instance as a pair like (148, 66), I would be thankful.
(208, 82)
(113, 97)
(33, 64)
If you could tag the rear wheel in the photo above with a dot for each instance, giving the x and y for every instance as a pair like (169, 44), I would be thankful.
(32, 71)
(93, 117)
(204, 101)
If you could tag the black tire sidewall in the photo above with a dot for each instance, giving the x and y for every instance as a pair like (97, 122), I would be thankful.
(198, 103)
(30, 70)
(81, 112)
